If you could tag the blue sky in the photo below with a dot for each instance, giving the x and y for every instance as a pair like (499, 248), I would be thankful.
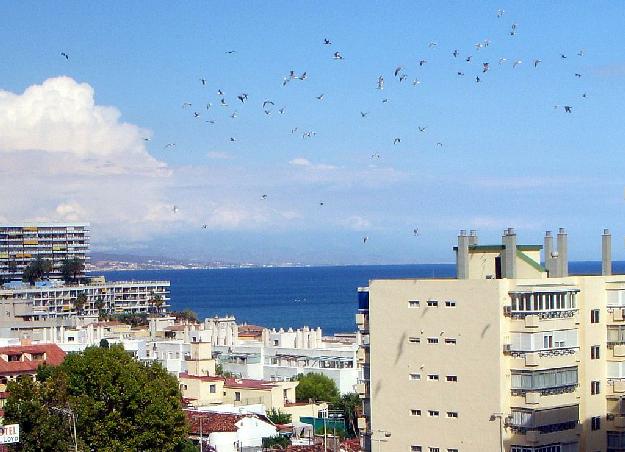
(508, 157)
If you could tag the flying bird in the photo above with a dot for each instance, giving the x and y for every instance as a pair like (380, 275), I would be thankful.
(234, 115)
(203, 80)
(384, 101)
(242, 97)
(263, 197)
(422, 128)
(402, 77)
(477, 79)
(460, 73)
(281, 110)
(537, 62)
(230, 52)
(468, 59)
(220, 93)
(320, 96)
(363, 114)
(432, 44)
(232, 139)
(398, 70)
(204, 226)
(422, 62)
(580, 53)
(416, 82)
(169, 145)
(265, 103)
(196, 114)
(568, 109)
(210, 121)
(186, 105)
(563, 56)
(500, 12)
(380, 82)
(516, 63)
(337, 56)
(175, 209)
(267, 112)
(364, 239)
(63, 54)
(327, 42)
(439, 144)
(484, 67)
(578, 75)
(147, 139)
(455, 53)
(397, 141)
(415, 232)
(321, 203)
(209, 105)
(303, 76)
(223, 103)
(502, 60)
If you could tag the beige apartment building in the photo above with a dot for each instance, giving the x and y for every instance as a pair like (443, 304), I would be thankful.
(509, 356)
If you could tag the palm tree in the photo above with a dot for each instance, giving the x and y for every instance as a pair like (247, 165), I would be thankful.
(79, 303)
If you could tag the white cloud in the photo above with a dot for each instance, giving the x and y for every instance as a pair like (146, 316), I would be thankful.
(356, 223)
(302, 162)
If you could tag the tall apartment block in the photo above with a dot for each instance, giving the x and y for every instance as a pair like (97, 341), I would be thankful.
(21, 244)
(512, 355)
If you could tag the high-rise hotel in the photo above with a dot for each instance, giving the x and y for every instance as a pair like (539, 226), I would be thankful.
(21, 244)
(509, 356)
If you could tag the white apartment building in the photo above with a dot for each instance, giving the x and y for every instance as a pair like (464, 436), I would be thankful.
(511, 356)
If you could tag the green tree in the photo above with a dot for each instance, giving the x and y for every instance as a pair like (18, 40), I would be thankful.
(317, 387)
(187, 314)
(278, 417)
(351, 405)
(79, 303)
(71, 268)
(37, 270)
(104, 343)
(276, 442)
(120, 404)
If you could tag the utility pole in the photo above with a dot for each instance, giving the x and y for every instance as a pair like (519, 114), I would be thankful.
(68, 412)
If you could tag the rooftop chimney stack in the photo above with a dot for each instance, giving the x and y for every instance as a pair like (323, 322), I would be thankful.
(563, 254)
(508, 264)
(548, 251)
(462, 256)
(606, 253)
(472, 237)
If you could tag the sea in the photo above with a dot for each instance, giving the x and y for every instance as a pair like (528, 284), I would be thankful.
(292, 297)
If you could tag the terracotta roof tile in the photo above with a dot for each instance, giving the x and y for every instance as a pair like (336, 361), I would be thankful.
(248, 384)
(53, 357)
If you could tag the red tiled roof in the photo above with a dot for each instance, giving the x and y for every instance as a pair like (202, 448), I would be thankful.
(54, 356)
(199, 377)
(351, 445)
(248, 384)
(212, 422)
(250, 330)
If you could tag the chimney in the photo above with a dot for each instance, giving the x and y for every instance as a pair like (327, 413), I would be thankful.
(548, 251)
(508, 264)
(462, 256)
(606, 253)
(563, 254)
(472, 237)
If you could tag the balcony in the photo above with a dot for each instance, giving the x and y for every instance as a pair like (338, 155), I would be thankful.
(534, 423)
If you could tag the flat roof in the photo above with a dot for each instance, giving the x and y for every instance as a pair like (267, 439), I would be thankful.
(493, 248)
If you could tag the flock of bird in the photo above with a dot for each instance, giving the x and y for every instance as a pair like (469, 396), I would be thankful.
(268, 106)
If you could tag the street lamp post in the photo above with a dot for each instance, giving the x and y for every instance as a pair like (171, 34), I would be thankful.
(500, 417)
(68, 412)
(381, 440)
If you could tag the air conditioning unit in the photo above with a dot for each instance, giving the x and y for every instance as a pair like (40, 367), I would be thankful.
(507, 348)
(507, 310)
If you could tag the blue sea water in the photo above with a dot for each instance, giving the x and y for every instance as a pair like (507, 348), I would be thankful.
(292, 297)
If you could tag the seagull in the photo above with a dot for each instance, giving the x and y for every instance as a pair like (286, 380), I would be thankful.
(486, 42)
(416, 82)
(147, 139)
(268, 102)
(397, 141)
(186, 105)
(220, 93)
(563, 56)
(267, 112)
(578, 75)
(326, 42)
(468, 59)
(477, 80)
(204, 226)
(439, 144)
(203, 80)
(169, 145)
(460, 73)
(536, 62)
(516, 63)
(402, 77)
(502, 60)
(584, 95)
(415, 232)
(364, 239)
(320, 96)
(422, 128)
(484, 67)
(432, 44)
(230, 52)
(210, 121)
(380, 82)
(422, 62)
(568, 109)
(478, 46)
(234, 115)
(500, 12)
(232, 139)
(321, 203)
(174, 209)
(384, 101)
(455, 53)
(281, 110)
(580, 53)
(363, 114)
(196, 114)
(223, 103)
(263, 197)
(337, 56)
(63, 54)
(242, 97)
(209, 105)
(293, 130)
(303, 76)
(377, 156)
(285, 80)
(398, 70)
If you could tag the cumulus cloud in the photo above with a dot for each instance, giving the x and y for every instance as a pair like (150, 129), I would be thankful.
(356, 223)
(305, 163)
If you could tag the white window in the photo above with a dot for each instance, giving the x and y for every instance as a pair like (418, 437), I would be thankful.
(450, 341)
(433, 377)
(452, 414)
(433, 413)
(432, 340)
(415, 377)
(414, 303)
(452, 378)
(415, 412)
(414, 340)
(450, 304)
